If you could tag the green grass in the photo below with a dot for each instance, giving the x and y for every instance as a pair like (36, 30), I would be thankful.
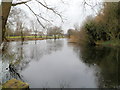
(23, 36)
(109, 43)
(16, 37)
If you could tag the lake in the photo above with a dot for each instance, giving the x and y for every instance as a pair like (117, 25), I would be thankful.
(59, 64)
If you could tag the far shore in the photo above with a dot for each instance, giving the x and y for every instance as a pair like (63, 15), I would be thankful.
(26, 38)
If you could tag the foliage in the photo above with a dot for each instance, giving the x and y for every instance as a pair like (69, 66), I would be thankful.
(104, 26)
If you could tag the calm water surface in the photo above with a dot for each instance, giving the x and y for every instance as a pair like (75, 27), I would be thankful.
(58, 64)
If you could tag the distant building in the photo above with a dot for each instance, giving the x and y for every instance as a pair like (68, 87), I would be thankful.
(39, 33)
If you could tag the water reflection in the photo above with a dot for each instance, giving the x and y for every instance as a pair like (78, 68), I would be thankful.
(60, 69)
(12, 61)
(58, 64)
(107, 59)
(16, 56)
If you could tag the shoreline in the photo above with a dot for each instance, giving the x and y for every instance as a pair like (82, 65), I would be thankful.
(26, 39)
(111, 43)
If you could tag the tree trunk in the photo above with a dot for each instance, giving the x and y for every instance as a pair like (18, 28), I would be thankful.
(0, 24)
(22, 37)
(54, 36)
(4, 12)
(119, 19)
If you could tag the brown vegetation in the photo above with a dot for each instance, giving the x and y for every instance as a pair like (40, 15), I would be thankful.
(102, 28)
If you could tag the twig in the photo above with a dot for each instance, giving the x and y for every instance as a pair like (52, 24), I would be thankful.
(35, 15)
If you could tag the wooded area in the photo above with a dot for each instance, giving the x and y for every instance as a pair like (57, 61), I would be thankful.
(102, 28)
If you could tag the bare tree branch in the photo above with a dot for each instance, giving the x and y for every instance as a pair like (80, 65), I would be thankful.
(43, 18)
(45, 2)
(15, 4)
(62, 1)
(35, 15)
(92, 6)
(85, 3)
(53, 10)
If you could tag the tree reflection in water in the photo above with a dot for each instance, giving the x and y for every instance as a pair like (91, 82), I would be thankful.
(11, 61)
(36, 51)
(16, 56)
(107, 59)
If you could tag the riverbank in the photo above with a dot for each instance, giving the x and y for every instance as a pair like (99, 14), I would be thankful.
(16, 84)
(25, 38)
(73, 39)
(111, 43)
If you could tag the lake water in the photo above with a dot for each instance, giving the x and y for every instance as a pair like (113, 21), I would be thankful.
(59, 64)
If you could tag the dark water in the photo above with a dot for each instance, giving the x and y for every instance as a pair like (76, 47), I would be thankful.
(58, 64)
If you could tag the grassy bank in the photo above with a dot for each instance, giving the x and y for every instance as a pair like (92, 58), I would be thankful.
(17, 38)
(109, 43)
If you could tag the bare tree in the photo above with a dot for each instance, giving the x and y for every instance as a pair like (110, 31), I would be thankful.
(0, 24)
(35, 28)
(6, 6)
(92, 4)
(15, 20)
(55, 31)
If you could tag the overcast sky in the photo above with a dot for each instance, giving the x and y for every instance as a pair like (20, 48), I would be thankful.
(73, 11)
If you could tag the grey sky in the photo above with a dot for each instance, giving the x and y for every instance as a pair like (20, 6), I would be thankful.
(72, 11)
